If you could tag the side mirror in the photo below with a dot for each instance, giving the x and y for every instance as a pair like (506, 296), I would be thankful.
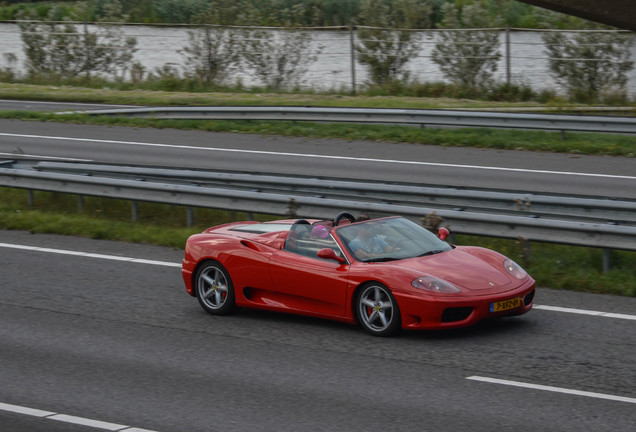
(330, 254)
(443, 233)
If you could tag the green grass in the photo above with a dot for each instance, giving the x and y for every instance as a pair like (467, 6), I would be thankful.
(105, 218)
(107, 93)
(60, 93)
(554, 266)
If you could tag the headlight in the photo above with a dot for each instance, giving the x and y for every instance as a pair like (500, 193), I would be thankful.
(433, 284)
(515, 269)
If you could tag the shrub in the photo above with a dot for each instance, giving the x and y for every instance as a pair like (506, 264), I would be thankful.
(590, 63)
(467, 57)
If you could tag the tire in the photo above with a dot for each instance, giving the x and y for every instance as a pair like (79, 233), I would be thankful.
(377, 310)
(214, 289)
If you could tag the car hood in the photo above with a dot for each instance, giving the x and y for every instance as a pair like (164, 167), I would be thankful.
(462, 269)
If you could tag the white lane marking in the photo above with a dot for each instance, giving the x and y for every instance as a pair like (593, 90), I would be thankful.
(585, 312)
(554, 389)
(317, 156)
(24, 410)
(48, 415)
(20, 156)
(171, 264)
(91, 255)
(88, 422)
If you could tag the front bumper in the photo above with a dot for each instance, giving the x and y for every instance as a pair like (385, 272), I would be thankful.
(434, 312)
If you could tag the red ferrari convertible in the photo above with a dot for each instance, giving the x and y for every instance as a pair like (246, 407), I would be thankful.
(385, 274)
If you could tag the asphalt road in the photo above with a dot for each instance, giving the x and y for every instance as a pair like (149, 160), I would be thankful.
(121, 342)
(434, 165)
(114, 341)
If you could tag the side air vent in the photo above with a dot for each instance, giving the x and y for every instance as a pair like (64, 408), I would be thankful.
(250, 245)
(528, 298)
(247, 292)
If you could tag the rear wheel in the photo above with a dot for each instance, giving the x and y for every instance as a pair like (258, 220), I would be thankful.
(377, 310)
(214, 289)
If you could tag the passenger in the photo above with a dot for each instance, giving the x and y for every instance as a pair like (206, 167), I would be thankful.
(367, 245)
(319, 231)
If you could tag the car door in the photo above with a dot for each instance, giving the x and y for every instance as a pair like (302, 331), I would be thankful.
(304, 282)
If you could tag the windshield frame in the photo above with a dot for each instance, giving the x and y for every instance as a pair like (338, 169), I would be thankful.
(400, 239)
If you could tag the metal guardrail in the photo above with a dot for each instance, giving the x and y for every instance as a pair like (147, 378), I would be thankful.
(190, 188)
(580, 209)
(446, 118)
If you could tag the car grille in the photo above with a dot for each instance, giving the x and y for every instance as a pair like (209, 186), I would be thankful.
(528, 298)
(456, 314)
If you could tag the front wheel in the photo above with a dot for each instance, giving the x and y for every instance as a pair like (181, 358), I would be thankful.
(377, 311)
(214, 289)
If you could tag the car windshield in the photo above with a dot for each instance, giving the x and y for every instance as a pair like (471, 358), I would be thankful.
(390, 239)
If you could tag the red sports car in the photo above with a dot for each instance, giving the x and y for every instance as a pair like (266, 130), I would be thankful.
(385, 274)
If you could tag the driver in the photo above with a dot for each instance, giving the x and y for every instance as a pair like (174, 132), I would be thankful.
(367, 245)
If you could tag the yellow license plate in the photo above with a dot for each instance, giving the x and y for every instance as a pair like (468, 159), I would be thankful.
(505, 305)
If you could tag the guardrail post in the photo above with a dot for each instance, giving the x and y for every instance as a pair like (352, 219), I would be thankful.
(80, 203)
(607, 260)
(292, 208)
(250, 216)
(190, 216)
(135, 211)
(30, 198)
(527, 252)
(526, 249)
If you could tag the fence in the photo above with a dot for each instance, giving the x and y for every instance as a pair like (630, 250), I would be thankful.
(523, 61)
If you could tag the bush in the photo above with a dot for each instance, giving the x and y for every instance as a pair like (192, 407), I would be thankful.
(467, 57)
(590, 63)
(64, 50)
(384, 49)
(511, 93)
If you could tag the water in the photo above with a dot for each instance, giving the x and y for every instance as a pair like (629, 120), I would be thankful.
(158, 46)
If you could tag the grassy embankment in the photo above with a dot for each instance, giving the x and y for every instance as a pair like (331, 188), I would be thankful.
(552, 265)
